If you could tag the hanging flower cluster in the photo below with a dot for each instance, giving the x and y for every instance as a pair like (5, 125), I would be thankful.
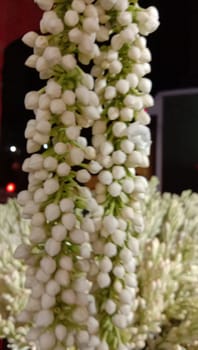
(13, 294)
(83, 243)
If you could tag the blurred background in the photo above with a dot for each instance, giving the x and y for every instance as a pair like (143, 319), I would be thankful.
(174, 74)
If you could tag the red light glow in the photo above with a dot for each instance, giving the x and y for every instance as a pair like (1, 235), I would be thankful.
(10, 187)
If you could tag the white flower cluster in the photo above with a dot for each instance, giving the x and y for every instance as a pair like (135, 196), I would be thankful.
(83, 244)
(166, 317)
(13, 294)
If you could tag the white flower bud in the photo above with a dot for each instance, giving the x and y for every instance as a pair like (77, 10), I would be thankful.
(120, 321)
(69, 221)
(47, 301)
(51, 186)
(72, 132)
(118, 237)
(83, 176)
(80, 314)
(37, 235)
(68, 296)
(115, 189)
(44, 318)
(63, 169)
(30, 38)
(76, 156)
(71, 18)
(52, 247)
(103, 280)
(57, 106)
(48, 264)
(110, 249)
(78, 236)
(110, 306)
(62, 277)
(78, 5)
(106, 264)
(47, 340)
(69, 97)
(69, 62)
(110, 93)
(52, 288)
(50, 163)
(52, 55)
(60, 332)
(119, 157)
(68, 118)
(31, 100)
(145, 85)
(119, 129)
(53, 89)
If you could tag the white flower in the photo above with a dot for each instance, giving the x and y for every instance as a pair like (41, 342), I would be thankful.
(78, 236)
(80, 314)
(110, 249)
(29, 38)
(120, 321)
(83, 176)
(52, 212)
(115, 189)
(59, 232)
(68, 220)
(128, 185)
(53, 89)
(69, 97)
(105, 177)
(72, 132)
(71, 18)
(76, 156)
(48, 264)
(78, 5)
(47, 340)
(52, 55)
(103, 280)
(68, 296)
(119, 157)
(60, 332)
(119, 129)
(106, 264)
(127, 146)
(139, 135)
(145, 85)
(62, 277)
(66, 205)
(51, 186)
(110, 93)
(68, 118)
(133, 79)
(52, 247)
(44, 318)
(50, 163)
(31, 100)
(57, 106)
(68, 62)
(52, 287)
(113, 113)
(47, 301)
(115, 67)
(118, 237)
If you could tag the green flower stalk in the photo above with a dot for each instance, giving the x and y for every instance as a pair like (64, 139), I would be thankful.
(83, 249)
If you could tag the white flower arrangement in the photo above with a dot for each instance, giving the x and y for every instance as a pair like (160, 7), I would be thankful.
(78, 299)
(167, 317)
(13, 294)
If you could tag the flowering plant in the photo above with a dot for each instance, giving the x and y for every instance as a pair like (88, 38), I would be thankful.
(13, 295)
(83, 249)
(167, 317)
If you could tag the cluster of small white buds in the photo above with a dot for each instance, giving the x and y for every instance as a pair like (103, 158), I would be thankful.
(82, 241)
